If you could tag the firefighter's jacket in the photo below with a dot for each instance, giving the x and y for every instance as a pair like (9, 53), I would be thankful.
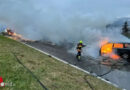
(79, 47)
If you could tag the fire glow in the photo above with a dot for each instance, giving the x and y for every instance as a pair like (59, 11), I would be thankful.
(107, 50)
(10, 34)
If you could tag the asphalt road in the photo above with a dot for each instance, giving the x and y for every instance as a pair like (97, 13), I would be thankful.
(117, 74)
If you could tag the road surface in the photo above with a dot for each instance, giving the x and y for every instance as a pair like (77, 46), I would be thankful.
(119, 76)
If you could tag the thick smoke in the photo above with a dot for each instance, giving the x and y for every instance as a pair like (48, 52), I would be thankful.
(65, 20)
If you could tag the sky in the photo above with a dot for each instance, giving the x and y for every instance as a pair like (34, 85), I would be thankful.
(35, 11)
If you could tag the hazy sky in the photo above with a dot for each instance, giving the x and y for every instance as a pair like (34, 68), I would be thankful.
(96, 8)
(49, 17)
(107, 7)
(69, 20)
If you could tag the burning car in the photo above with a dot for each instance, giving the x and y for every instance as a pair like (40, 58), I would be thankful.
(116, 50)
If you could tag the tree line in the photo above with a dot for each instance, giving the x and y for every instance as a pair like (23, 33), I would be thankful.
(125, 28)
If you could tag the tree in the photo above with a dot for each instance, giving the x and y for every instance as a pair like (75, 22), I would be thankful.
(125, 28)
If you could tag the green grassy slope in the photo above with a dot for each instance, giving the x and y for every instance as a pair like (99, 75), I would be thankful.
(53, 74)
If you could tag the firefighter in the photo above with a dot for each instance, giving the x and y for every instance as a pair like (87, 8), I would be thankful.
(79, 49)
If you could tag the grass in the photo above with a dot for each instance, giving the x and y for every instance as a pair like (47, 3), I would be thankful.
(54, 74)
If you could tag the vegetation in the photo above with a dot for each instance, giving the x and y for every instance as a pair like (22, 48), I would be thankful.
(125, 28)
(54, 74)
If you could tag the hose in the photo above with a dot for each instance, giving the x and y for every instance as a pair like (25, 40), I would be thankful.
(85, 78)
(43, 86)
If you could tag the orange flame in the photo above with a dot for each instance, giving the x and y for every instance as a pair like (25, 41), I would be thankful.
(15, 36)
(114, 56)
(107, 49)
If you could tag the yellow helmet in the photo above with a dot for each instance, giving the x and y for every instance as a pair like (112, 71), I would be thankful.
(80, 41)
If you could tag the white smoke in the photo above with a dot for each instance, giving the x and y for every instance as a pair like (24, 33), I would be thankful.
(65, 20)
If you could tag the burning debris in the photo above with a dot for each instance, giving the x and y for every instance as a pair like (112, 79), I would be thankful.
(11, 34)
